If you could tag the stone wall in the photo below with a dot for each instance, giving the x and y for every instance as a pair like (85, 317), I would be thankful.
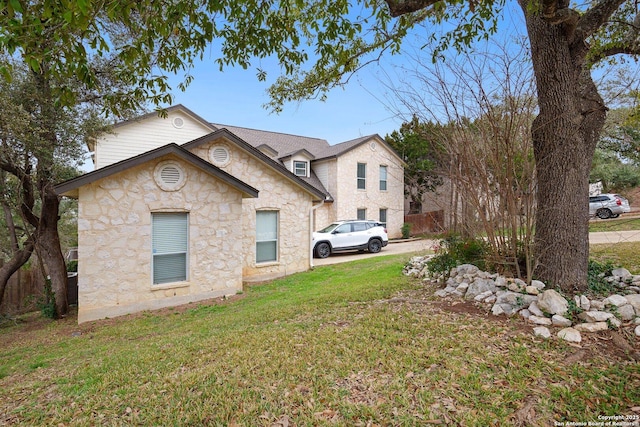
(114, 236)
(350, 198)
(276, 193)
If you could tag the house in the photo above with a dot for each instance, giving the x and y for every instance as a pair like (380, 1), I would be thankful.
(179, 209)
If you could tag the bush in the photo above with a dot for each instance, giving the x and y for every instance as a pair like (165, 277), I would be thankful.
(454, 250)
(406, 230)
(72, 266)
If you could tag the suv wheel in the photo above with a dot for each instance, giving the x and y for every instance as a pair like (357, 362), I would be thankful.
(375, 246)
(323, 250)
(604, 213)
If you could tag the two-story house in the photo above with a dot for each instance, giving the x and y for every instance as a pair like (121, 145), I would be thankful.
(180, 209)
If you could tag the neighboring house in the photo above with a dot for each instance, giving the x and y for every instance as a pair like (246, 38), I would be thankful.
(180, 210)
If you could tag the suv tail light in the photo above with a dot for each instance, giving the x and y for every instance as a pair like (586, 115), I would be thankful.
(385, 230)
(618, 201)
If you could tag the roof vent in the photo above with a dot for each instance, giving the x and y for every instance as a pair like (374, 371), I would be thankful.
(170, 176)
(178, 122)
(373, 146)
(219, 155)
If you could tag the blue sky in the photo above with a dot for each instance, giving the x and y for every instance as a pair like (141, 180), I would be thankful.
(236, 97)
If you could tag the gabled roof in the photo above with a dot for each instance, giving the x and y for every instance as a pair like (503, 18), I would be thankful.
(344, 147)
(172, 109)
(301, 151)
(282, 143)
(70, 187)
(314, 189)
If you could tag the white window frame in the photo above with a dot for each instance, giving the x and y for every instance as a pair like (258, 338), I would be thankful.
(361, 179)
(266, 237)
(300, 168)
(169, 240)
(383, 177)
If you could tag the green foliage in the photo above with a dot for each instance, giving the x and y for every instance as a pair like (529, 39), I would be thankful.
(72, 266)
(47, 302)
(419, 146)
(406, 230)
(596, 274)
(612, 172)
(573, 310)
(455, 250)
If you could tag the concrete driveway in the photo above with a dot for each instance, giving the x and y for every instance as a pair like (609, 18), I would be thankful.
(423, 245)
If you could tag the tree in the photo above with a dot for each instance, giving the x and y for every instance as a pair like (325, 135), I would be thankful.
(417, 144)
(339, 37)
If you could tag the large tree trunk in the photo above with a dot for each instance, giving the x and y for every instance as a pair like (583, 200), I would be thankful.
(564, 137)
(50, 251)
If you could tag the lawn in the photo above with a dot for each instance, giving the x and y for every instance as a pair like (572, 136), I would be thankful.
(325, 347)
(619, 224)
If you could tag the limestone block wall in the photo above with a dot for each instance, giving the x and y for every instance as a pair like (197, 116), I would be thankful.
(350, 198)
(276, 193)
(114, 237)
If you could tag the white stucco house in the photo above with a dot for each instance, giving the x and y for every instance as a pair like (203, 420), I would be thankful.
(179, 209)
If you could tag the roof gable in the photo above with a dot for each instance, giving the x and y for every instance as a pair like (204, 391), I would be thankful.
(70, 187)
(258, 154)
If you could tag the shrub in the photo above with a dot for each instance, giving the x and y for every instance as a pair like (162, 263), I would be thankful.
(454, 250)
(596, 273)
(406, 230)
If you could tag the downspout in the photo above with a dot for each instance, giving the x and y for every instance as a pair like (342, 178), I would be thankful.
(311, 215)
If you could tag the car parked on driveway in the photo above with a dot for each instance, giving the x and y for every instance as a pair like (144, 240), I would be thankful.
(608, 206)
(350, 235)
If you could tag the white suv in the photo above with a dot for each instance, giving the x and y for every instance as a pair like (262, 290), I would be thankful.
(608, 206)
(349, 236)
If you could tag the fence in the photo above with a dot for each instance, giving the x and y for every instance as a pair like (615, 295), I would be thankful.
(22, 291)
(428, 222)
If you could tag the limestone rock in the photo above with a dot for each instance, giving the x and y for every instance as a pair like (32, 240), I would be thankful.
(539, 320)
(525, 313)
(616, 300)
(552, 302)
(591, 327)
(541, 331)
(570, 335)
(595, 316)
(538, 284)
(558, 320)
(532, 290)
(479, 286)
(637, 331)
(626, 312)
(621, 272)
(634, 300)
(585, 304)
(597, 305)
(535, 310)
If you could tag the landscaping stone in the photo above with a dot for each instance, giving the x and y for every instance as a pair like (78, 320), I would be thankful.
(541, 331)
(570, 335)
(637, 331)
(591, 327)
(558, 320)
(621, 272)
(552, 302)
(508, 296)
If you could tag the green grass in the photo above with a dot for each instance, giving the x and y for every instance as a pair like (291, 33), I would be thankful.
(619, 224)
(323, 347)
(626, 254)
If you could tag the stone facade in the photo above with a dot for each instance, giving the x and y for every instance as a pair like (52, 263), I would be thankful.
(114, 237)
(275, 194)
(349, 198)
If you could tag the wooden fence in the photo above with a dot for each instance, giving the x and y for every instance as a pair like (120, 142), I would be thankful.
(428, 222)
(22, 291)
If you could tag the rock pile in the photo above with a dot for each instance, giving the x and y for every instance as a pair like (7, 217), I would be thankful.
(540, 306)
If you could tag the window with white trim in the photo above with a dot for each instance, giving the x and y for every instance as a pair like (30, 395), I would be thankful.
(300, 168)
(362, 176)
(266, 236)
(383, 178)
(362, 214)
(170, 242)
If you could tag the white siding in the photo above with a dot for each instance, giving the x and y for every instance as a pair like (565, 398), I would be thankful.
(138, 137)
(322, 172)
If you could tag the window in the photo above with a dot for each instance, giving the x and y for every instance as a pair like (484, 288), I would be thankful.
(300, 168)
(362, 214)
(169, 247)
(383, 178)
(383, 217)
(362, 176)
(266, 236)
